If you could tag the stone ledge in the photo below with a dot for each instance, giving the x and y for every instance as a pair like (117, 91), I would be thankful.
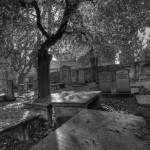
(99, 130)
(45, 110)
(118, 94)
(21, 129)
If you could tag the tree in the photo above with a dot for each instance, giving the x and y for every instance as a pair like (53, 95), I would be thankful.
(124, 20)
(102, 25)
(19, 41)
(43, 56)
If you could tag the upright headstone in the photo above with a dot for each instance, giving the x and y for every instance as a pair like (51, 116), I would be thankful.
(73, 76)
(65, 74)
(123, 81)
(10, 90)
(87, 75)
(25, 86)
(81, 76)
(105, 82)
(26, 81)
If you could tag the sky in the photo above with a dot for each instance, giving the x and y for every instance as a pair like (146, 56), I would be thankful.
(146, 36)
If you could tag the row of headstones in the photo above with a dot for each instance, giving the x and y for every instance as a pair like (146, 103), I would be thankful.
(122, 82)
(74, 76)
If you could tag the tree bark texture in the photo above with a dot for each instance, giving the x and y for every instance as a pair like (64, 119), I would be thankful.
(43, 75)
(94, 65)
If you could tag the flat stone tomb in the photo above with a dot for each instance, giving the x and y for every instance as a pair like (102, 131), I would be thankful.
(122, 81)
(105, 82)
(69, 103)
(143, 99)
(73, 98)
(17, 123)
(41, 106)
(99, 130)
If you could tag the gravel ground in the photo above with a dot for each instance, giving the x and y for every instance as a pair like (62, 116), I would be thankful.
(123, 104)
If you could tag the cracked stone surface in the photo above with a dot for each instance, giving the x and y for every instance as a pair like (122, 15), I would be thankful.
(99, 130)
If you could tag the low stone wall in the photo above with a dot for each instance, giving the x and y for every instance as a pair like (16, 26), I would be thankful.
(45, 110)
(145, 84)
(22, 130)
(64, 113)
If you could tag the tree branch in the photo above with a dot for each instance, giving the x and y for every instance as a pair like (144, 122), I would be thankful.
(55, 37)
(38, 17)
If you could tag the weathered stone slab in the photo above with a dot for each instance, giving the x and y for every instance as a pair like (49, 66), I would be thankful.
(81, 76)
(67, 104)
(88, 75)
(122, 81)
(17, 123)
(73, 76)
(65, 74)
(143, 99)
(97, 130)
(73, 98)
(41, 106)
(105, 82)
(25, 86)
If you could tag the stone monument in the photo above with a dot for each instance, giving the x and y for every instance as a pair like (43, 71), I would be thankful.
(105, 82)
(123, 81)
(73, 76)
(65, 74)
(81, 76)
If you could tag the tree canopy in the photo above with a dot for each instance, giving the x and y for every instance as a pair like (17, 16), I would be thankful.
(81, 27)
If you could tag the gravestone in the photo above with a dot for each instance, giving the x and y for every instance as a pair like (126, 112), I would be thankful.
(88, 75)
(81, 76)
(26, 81)
(73, 76)
(10, 90)
(123, 81)
(105, 82)
(65, 74)
(25, 86)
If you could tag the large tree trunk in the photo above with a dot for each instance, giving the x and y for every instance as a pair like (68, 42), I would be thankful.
(43, 74)
(94, 65)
